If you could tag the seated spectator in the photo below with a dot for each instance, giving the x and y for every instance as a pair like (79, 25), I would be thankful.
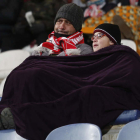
(66, 39)
(128, 24)
(97, 8)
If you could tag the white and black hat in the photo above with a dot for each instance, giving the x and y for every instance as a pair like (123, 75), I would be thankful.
(112, 31)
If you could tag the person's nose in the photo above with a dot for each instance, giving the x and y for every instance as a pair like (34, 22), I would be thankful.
(95, 39)
(62, 25)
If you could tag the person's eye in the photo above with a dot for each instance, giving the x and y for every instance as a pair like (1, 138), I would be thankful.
(100, 35)
(59, 21)
(68, 22)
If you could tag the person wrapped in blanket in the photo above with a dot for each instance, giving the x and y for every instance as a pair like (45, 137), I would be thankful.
(104, 35)
(66, 39)
(96, 88)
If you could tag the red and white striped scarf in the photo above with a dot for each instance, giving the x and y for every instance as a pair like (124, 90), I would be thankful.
(57, 45)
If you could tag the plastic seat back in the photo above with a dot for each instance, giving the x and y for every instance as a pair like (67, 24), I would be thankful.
(130, 131)
(79, 131)
(11, 59)
(129, 43)
(10, 135)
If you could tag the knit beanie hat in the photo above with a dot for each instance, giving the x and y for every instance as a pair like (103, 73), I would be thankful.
(72, 13)
(112, 31)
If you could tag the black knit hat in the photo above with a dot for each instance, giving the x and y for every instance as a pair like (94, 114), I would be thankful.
(112, 31)
(72, 13)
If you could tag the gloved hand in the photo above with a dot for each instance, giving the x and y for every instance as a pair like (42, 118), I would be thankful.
(46, 48)
(37, 28)
(51, 48)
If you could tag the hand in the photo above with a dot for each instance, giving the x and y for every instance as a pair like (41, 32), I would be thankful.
(45, 47)
(51, 48)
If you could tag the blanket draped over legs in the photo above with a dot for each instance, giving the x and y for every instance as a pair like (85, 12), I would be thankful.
(48, 92)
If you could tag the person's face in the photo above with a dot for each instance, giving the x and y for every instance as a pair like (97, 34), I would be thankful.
(100, 41)
(63, 26)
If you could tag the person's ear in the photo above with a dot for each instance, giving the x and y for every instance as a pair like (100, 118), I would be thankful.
(111, 43)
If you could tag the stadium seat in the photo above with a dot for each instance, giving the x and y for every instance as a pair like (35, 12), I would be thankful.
(129, 43)
(130, 131)
(8, 61)
(11, 59)
(79, 131)
(10, 135)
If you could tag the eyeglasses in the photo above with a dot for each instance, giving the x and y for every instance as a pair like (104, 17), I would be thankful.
(98, 36)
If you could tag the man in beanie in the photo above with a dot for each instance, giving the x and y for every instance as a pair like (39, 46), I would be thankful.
(104, 35)
(66, 39)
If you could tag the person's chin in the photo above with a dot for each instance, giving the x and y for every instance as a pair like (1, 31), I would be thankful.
(61, 34)
(95, 48)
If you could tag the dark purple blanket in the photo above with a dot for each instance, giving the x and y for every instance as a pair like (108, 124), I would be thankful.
(48, 92)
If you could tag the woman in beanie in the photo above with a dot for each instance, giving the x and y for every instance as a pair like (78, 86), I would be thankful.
(104, 35)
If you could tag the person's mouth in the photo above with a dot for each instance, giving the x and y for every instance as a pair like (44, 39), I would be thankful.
(62, 32)
(95, 45)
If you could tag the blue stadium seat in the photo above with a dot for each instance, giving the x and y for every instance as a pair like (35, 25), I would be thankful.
(79, 131)
(131, 131)
(127, 116)
(10, 135)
